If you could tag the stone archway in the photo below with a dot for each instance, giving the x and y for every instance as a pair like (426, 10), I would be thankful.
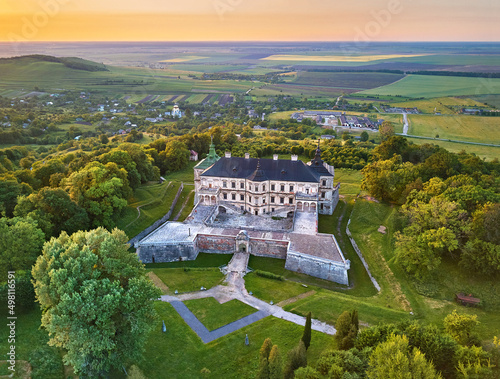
(299, 206)
(313, 207)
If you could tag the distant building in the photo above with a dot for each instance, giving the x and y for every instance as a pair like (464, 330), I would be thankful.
(193, 156)
(176, 112)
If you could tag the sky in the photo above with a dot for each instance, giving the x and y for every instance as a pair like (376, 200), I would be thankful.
(249, 20)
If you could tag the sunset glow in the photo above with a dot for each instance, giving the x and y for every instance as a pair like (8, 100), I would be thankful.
(225, 20)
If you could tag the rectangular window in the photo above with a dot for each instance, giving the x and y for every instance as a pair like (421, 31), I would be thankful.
(272, 209)
(241, 207)
(263, 200)
(249, 187)
(273, 187)
(291, 188)
(249, 199)
(242, 197)
(233, 196)
(256, 188)
(264, 187)
(256, 212)
(256, 200)
(290, 200)
(233, 185)
(324, 183)
(242, 185)
(323, 195)
(224, 184)
(272, 199)
(225, 196)
(282, 200)
(282, 187)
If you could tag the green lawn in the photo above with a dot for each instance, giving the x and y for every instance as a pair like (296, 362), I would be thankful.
(188, 281)
(271, 289)
(437, 86)
(350, 181)
(179, 353)
(327, 307)
(203, 260)
(214, 315)
(29, 336)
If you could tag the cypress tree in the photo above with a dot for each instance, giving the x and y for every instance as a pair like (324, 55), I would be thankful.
(275, 364)
(265, 350)
(306, 337)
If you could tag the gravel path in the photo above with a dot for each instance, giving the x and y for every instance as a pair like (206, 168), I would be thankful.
(235, 289)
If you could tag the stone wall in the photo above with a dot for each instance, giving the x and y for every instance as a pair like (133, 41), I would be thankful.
(215, 244)
(318, 267)
(268, 248)
(167, 252)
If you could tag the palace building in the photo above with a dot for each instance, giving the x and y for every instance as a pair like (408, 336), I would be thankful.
(261, 207)
(266, 186)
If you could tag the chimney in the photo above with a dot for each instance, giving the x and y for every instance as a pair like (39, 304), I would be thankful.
(247, 155)
(275, 157)
(295, 157)
(228, 154)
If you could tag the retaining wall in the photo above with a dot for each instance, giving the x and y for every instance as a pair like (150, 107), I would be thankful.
(318, 267)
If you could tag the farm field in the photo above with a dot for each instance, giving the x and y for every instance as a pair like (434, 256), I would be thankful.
(337, 58)
(456, 127)
(487, 152)
(349, 80)
(437, 86)
(23, 74)
(443, 105)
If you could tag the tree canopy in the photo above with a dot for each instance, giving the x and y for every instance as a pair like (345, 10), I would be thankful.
(95, 298)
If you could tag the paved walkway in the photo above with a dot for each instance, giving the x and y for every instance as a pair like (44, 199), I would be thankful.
(235, 289)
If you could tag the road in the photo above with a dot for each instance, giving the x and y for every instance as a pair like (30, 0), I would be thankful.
(405, 126)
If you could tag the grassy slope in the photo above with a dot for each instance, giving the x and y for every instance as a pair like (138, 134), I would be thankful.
(444, 105)
(438, 86)
(487, 152)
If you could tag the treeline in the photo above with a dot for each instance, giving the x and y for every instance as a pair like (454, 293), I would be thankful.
(450, 205)
(405, 350)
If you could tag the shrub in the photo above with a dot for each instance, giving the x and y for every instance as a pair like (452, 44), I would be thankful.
(269, 275)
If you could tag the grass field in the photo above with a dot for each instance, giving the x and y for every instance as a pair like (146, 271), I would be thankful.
(188, 281)
(337, 58)
(214, 315)
(350, 181)
(437, 86)
(361, 80)
(487, 152)
(443, 105)
(456, 127)
(179, 353)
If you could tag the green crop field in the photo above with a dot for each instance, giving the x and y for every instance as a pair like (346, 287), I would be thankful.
(26, 73)
(456, 127)
(361, 80)
(443, 105)
(487, 152)
(437, 86)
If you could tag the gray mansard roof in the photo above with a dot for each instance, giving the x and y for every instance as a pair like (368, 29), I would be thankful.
(269, 169)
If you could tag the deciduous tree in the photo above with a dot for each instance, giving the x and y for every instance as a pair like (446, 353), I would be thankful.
(96, 300)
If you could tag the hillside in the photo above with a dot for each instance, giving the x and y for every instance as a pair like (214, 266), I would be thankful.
(70, 62)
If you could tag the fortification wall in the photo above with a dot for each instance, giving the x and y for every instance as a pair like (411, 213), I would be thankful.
(318, 267)
(268, 248)
(169, 252)
(215, 244)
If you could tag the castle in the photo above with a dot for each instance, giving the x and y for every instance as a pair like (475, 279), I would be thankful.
(262, 207)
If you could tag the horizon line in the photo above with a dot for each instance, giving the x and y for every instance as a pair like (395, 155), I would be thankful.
(256, 41)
